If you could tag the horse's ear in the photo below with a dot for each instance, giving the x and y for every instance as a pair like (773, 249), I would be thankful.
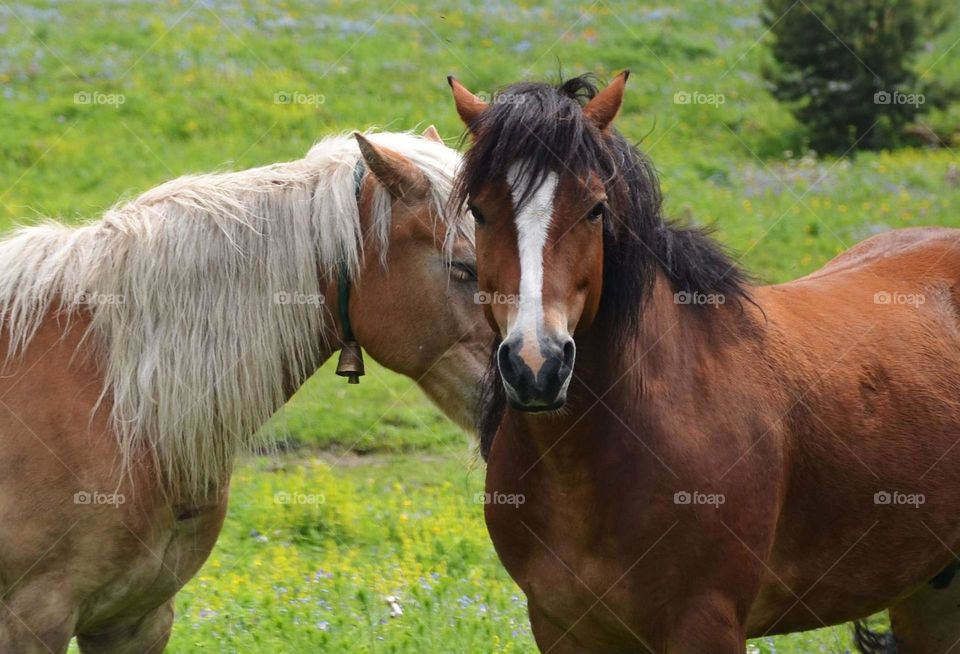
(397, 173)
(469, 106)
(431, 134)
(603, 108)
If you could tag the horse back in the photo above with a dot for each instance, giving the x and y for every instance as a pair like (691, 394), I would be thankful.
(922, 249)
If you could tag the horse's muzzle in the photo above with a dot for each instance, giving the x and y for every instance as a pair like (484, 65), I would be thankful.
(538, 380)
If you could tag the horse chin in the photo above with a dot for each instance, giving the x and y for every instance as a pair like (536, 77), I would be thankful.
(536, 407)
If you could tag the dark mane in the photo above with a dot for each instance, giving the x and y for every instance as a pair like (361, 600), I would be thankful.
(543, 126)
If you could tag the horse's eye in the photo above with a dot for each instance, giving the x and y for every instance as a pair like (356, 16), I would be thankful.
(477, 216)
(596, 213)
(464, 271)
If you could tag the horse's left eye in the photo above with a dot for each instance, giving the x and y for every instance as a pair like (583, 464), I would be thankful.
(596, 213)
(477, 215)
(463, 271)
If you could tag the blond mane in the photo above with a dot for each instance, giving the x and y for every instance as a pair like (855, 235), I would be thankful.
(182, 286)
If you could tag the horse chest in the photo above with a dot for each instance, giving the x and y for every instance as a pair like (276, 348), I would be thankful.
(584, 592)
(158, 557)
(564, 565)
(563, 582)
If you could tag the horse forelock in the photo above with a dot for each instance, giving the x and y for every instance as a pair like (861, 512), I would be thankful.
(205, 296)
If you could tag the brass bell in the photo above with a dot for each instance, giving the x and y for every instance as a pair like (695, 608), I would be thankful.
(350, 364)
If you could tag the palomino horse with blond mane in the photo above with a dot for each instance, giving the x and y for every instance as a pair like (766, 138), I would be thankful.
(704, 461)
(143, 351)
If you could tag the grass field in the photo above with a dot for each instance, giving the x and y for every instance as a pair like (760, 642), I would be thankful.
(375, 498)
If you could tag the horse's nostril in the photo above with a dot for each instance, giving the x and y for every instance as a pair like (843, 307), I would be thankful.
(569, 352)
(505, 361)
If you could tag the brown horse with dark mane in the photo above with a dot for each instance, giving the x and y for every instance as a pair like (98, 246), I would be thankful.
(723, 461)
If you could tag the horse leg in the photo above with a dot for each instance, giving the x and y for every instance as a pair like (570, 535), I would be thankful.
(149, 635)
(929, 620)
(36, 619)
(709, 626)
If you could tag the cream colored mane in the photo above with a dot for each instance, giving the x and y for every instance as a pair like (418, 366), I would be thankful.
(183, 283)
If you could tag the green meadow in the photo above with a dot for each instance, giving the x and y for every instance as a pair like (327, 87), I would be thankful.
(374, 495)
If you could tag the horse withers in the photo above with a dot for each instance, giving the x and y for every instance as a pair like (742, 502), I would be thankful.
(143, 351)
(702, 460)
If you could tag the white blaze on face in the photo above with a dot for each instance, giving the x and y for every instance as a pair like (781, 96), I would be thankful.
(533, 223)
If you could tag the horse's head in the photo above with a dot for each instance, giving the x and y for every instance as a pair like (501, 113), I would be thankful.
(413, 303)
(538, 181)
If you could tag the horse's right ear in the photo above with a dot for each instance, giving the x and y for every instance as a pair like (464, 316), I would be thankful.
(605, 105)
(469, 106)
(397, 173)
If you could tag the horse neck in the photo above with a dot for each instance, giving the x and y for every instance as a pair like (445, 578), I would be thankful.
(329, 343)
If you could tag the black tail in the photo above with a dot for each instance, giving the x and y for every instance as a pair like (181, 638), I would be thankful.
(872, 642)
